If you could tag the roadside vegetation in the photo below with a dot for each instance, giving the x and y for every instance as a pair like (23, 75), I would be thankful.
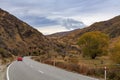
(115, 52)
(94, 44)
(96, 53)
(5, 59)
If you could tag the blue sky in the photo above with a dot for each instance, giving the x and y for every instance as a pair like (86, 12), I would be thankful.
(45, 14)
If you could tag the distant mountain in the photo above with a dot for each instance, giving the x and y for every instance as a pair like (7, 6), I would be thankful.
(19, 38)
(110, 27)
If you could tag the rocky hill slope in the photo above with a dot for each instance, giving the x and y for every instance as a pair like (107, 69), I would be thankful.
(110, 27)
(19, 38)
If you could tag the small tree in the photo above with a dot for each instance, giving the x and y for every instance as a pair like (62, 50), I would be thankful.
(115, 52)
(93, 44)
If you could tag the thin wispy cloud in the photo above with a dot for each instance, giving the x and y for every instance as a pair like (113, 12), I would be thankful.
(43, 13)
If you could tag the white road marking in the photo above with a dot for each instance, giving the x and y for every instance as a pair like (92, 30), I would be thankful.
(7, 73)
(41, 71)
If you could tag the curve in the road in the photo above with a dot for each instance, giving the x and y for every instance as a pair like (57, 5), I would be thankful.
(32, 70)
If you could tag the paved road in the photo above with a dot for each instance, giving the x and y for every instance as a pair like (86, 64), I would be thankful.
(32, 70)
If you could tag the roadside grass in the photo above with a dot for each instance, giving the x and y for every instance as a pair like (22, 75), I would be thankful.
(4, 62)
(85, 66)
(98, 62)
(2, 72)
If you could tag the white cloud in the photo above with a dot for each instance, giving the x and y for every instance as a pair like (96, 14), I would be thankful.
(87, 11)
(92, 18)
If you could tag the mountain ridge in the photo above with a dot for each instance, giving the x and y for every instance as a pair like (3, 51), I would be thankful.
(16, 36)
(110, 27)
(100, 26)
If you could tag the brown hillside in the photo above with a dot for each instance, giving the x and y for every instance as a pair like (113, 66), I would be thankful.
(19, 38)
(110, 27)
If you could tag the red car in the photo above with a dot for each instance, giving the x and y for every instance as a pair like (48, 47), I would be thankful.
(19, 59)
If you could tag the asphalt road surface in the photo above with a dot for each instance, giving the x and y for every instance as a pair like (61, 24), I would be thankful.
(32, 70)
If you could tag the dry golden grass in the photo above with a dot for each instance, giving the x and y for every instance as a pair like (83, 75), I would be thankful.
(85, 66)
(99, 62)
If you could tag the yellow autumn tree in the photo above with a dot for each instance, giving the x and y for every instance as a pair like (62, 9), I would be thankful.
(93, 44)
(115, 52)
